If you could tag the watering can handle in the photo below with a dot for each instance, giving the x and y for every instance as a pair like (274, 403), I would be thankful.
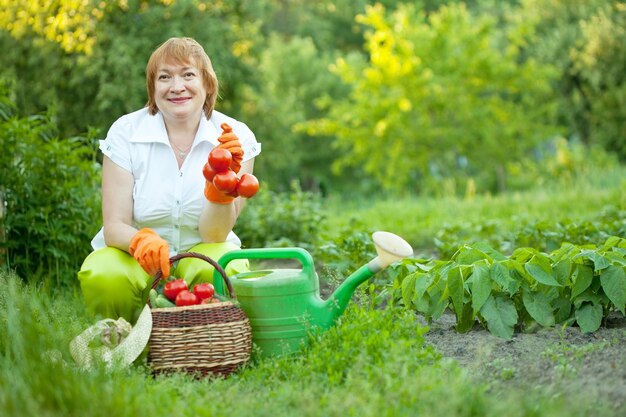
(267, 253)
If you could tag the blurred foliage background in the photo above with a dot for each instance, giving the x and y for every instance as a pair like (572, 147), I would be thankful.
(351, 98)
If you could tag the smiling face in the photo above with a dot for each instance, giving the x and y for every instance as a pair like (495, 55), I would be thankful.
(178, 73)
(179, 91)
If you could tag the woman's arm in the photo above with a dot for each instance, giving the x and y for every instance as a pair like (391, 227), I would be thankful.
(117, 205)
(217, 220)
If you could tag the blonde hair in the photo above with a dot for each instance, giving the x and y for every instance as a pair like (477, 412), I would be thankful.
(182, 51)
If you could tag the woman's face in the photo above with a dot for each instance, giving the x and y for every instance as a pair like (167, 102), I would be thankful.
(179, 92)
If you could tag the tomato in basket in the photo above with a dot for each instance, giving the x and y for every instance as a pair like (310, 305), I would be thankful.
(204, 291)
(174, 287)
(186, 298)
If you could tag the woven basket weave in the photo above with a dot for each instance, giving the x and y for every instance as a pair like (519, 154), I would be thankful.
(204, 339)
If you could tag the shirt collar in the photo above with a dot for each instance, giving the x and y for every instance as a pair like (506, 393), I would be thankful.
(151, 128)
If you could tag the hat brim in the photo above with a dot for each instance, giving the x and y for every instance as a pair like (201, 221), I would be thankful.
(123, 354)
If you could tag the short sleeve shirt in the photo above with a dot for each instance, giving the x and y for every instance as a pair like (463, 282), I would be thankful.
(167, 199)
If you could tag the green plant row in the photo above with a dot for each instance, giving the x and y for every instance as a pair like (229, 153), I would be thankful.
(573, 285)
(542, 235)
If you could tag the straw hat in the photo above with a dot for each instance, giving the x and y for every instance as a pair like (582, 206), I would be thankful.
(112, 342)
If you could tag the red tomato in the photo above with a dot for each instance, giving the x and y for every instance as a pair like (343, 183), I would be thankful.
(220, 159)
(204, 290)
(186, 298)
(248, 186)
(226, 182)
(208, 172)
(174, 287)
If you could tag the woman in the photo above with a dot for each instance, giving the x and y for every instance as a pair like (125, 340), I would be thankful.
(155, 199)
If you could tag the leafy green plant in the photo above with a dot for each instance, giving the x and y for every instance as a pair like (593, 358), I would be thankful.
(346, 249)
(273, 219)
(572, 285)
(542, 235)
(51, 195)
(374, 358)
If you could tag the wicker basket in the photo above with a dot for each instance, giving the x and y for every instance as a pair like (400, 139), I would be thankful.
(204, 339)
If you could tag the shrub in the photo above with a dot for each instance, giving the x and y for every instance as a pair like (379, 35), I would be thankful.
(49, 189)
(274, 219)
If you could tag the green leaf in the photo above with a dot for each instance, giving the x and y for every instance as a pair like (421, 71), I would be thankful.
(422, 284)
(435, 301)
(467, 255)
(438, 303)
(562, 309)
(499, 274)
(481, 286)
(501, 316)
(539, 308)
(523, 255)
(422, 304)
(582, 277)
(611, 242)
(488, 250)
(516, 269)
(456, 290)
(589, 296)
(599, 261)
(540, 274)
(468, 319)
(616, 257)
(408, 288)
(562, 271)
(589, 317)
(613, 280)
(620, 251)
(566, 251)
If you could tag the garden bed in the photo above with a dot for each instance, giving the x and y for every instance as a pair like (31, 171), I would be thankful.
(560, 360)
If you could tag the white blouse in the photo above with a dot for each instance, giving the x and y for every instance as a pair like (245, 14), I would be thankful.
(168, 199)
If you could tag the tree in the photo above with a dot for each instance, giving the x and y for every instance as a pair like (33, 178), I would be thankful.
(69, 23)
(600, 61)
(585, 41)
(92, 86)
(291, 74)
(437, 91)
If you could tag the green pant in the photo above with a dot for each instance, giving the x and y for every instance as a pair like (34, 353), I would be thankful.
(114, 284)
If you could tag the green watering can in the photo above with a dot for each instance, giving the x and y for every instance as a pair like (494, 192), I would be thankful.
(283, 304)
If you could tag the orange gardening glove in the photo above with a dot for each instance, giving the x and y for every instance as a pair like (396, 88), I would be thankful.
(228, 140)
(151, 251)
(216, 196)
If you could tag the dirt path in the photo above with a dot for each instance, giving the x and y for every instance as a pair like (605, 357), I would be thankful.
(565, 360)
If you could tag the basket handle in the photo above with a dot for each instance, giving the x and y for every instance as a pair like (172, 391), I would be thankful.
(215, 265)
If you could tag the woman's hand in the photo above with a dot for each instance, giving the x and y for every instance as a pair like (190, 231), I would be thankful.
(151, 251)
(222, 183)
(229, 141)
(216, 196)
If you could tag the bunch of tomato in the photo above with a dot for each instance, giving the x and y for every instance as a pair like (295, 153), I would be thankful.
(218, 170)
(176, 292)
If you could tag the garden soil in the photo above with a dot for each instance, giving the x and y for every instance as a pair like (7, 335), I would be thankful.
(563, 361)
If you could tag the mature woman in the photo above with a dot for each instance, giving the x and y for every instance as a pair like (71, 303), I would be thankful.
(155, 199)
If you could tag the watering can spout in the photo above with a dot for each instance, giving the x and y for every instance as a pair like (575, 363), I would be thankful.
(390, 248)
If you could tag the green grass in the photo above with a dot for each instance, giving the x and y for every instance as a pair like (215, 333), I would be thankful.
(418, 219)
(373, 363)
